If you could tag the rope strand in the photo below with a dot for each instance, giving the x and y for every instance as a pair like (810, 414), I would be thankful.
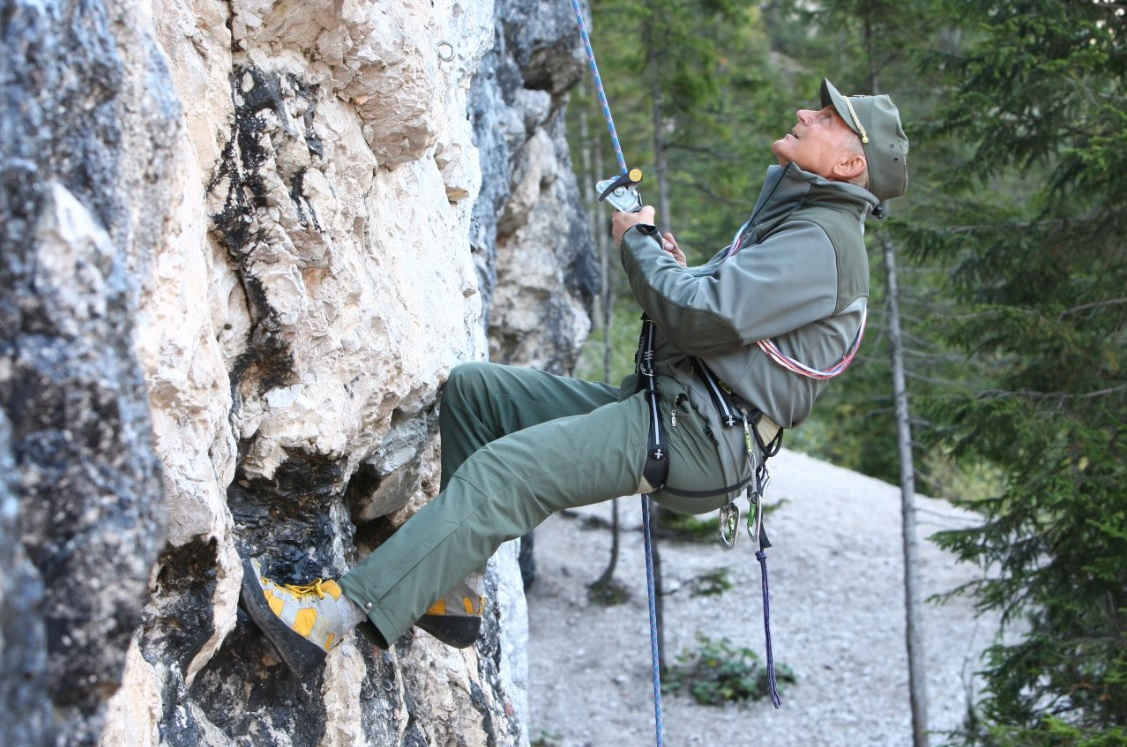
(654, 644)
(790, 364)
(599, 86)
(655, 650)
(761, 556)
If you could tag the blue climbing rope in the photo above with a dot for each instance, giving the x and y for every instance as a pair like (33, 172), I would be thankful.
(655, 648)
(647, 531)
(599, 86)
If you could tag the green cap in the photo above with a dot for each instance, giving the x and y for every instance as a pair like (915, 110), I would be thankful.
(876, 121)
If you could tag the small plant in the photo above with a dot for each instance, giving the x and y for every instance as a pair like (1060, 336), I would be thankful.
(686, 528)
(608, 593)
(546, 739)
(711, 584)
(719, 672)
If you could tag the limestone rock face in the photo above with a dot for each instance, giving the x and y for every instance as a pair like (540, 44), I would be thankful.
(86, 125)
(542, 280)
(241, 245)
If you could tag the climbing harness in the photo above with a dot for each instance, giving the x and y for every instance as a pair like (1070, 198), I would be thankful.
(656, 471)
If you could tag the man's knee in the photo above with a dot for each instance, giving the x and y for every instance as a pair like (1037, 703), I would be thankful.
(467, 382)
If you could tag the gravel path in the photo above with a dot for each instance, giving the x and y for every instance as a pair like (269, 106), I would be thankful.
(837, 620)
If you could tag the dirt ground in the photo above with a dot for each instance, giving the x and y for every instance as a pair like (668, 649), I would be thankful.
(837, 621)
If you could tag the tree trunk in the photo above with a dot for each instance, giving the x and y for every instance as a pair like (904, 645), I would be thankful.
(917, 680)
(917, 670)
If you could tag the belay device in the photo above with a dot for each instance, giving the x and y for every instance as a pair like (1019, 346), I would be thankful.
(620, 192)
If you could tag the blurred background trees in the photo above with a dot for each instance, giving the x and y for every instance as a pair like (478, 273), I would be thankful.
(1012, 278)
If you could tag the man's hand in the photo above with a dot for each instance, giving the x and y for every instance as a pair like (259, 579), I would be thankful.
(669, 244)
(622, 222)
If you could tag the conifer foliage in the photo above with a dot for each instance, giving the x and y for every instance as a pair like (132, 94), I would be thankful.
(1017, 112)
(1037, 92)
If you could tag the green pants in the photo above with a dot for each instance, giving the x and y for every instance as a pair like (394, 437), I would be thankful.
(518, 445)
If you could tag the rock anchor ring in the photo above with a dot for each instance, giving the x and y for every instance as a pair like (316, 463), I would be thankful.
(445, 56)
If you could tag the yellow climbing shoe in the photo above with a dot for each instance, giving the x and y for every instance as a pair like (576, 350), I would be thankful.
(455, 619)
(303, 622)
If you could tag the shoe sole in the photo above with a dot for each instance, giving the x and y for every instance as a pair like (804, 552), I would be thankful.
(458, 631)
(304, 659)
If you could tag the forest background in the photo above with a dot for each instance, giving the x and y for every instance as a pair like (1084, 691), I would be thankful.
(999, 285)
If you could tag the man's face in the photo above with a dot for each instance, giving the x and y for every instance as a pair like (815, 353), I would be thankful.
(817, 142)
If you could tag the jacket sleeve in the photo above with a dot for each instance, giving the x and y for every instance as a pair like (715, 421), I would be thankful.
(785, 282)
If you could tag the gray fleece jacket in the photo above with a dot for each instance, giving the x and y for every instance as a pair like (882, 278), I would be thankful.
(799, 276)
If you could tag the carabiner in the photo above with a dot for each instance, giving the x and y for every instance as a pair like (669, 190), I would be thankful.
(755, 510)
(729, 525)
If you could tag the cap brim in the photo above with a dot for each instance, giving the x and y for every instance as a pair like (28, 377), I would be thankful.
(830, 95)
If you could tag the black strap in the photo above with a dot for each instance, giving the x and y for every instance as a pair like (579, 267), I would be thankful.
(708, 493)
(731, 414)
(656, 470)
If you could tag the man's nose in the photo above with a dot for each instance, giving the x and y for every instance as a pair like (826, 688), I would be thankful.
(804, 115)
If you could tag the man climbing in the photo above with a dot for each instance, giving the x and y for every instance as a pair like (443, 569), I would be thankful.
(741, 347)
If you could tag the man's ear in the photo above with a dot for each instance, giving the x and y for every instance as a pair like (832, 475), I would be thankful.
(849, 166)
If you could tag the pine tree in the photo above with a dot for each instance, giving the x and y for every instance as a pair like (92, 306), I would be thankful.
(1037, 95)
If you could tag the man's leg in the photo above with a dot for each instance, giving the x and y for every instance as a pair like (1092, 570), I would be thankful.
(499, 492)
(496, 487)
(482, 402)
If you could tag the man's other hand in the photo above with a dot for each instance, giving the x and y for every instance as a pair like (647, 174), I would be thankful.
(669, 244)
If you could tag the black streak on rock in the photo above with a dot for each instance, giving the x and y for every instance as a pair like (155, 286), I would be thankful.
(268, 360)
(186, 584)
(270, 700)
